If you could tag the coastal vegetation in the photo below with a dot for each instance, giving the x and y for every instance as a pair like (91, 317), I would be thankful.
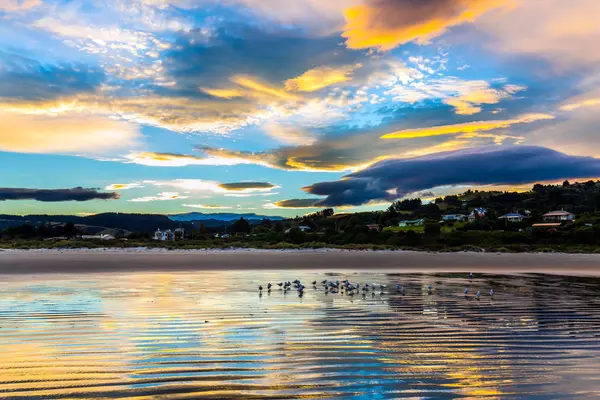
(480, 225)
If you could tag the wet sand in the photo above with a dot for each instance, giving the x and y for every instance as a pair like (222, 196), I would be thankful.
(82, 261)
(213, 335)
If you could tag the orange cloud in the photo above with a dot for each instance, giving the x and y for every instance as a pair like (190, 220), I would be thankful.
(18, 5)
(64, 134)
(580, 104)
(386, 24)
(467, 127)
(319, 78)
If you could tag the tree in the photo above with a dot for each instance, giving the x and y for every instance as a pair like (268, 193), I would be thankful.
(241, 226)
(433, 229)
(69, 230)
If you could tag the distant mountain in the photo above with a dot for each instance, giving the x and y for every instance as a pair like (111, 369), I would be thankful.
(130, 222)
(226, 217)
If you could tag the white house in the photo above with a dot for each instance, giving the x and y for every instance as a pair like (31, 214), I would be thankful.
(559, 216)
(454, 217)
(513, 217)
(164, 235)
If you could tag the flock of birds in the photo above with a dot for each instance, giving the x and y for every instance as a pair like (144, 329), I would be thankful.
(350, 288)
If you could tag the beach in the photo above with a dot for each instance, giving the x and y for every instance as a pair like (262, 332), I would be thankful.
(113, 260)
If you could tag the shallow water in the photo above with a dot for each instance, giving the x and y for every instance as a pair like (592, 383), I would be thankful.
(211, 335)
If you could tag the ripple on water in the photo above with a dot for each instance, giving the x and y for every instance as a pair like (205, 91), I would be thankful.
(211, 335)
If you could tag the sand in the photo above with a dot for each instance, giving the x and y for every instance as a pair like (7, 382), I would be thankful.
(93, 261)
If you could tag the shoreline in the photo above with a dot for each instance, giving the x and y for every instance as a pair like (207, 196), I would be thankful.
(131, 260)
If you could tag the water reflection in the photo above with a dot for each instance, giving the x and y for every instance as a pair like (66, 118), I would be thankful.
(210, 334)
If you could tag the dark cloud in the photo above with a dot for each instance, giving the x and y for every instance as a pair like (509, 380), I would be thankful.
(27, 79)
(390, 23)
(395, 13)
(233, 50)
(394, 178)
(55, 195)
(297, 203)
(246, 185)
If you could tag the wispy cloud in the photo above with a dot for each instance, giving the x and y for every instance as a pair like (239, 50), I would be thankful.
(319, 78)
(164, 196)
(123, 186)
(467, 127)
(208, 206)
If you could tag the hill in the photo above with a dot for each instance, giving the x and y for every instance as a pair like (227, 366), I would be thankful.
(227, 217)
(130, 222)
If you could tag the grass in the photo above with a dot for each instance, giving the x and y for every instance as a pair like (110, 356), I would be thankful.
(421, 228)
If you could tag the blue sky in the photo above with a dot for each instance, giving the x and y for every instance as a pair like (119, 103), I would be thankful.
(159, 105)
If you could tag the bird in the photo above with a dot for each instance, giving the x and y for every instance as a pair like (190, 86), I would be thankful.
(478, 294)
(470, 275)
(314, 282)
(429, 287)
(466, 291)
(269, 286)
(491, 292)
(280, 284)
(260, 288)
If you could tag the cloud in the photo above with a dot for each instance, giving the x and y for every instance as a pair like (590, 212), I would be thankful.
(289, 134)
(55, 195)
(64, 134)
(123, 186)
(564, 35)
(247, 186)
(466, 96)
(293, 203)
(176, 160)
(319, 78)
(385, 24)
(467, 127)
(581, 103)
(18, 5)
(208, 206)
(27, 79)
(164, 196)
(394, 178)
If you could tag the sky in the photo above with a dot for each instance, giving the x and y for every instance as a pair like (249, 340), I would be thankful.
(286, 107)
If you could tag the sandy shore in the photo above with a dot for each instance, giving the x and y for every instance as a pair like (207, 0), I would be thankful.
(87, 261)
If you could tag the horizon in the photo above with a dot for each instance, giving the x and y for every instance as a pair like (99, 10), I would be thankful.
(286, 108)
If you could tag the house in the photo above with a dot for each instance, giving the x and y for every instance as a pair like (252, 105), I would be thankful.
(478, 213)
(414, 222)
(374, 227)
(164, 235)
(454, 217)
(303, 228)
(513, 217)
(179, 233)
(559, 216)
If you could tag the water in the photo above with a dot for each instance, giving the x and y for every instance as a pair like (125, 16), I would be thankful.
(210, 335)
